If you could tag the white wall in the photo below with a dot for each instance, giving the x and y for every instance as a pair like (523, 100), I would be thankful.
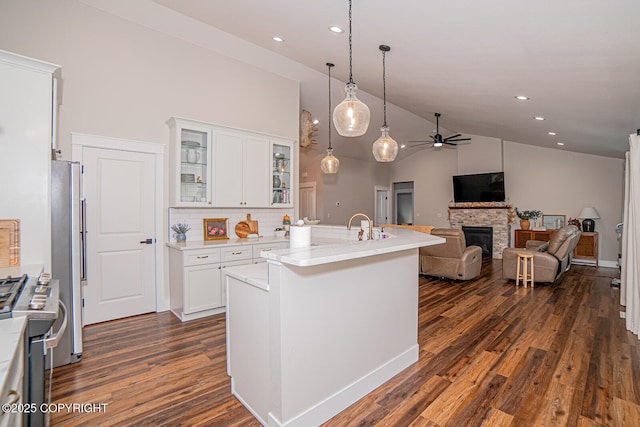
(562, 182)
(351, 190)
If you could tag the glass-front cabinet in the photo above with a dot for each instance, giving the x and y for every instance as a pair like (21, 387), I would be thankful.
(281, 173)
(191, 174)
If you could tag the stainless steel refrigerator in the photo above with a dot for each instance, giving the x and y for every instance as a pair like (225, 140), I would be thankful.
(67, 255)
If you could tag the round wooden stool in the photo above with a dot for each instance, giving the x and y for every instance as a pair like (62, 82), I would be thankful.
(524, 270)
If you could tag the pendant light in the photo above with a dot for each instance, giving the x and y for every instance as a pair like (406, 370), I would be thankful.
(385, 149)
(330, 163)
(351, 116)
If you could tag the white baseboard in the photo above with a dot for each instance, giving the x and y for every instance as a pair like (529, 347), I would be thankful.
(344, 398)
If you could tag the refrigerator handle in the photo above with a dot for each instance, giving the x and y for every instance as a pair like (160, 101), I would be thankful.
(83, 241)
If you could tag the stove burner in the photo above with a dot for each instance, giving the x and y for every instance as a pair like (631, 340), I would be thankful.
(10, 288)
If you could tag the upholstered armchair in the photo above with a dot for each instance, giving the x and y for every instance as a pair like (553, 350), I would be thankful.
(452, 259)
(550, 259)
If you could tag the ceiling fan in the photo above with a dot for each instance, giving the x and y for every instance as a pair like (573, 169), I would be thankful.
(438, 140)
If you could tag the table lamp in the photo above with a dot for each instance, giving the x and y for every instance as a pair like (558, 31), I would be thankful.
(588, 213)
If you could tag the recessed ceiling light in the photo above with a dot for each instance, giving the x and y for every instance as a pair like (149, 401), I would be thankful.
(278, 39)
(539, 118)
(336, 29)
(402, 146)
(522, 98)
(316, 121)
(552, 133)
(560, 143)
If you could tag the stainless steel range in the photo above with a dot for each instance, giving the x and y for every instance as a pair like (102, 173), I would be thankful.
(37, 300)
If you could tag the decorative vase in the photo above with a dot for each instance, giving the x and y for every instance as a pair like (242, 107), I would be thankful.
(276, 181)
(525, 224)
(180, 237)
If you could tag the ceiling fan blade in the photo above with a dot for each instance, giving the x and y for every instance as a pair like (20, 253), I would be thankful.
(428, 142)
(452, 136)
(460, 139)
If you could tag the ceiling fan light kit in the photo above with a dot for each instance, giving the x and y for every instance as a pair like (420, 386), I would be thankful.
(330, 163)
(351, 117)
(385, 149)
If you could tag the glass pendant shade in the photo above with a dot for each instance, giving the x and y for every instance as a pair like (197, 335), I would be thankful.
(385, 149)
(351, 117)
(330, 163)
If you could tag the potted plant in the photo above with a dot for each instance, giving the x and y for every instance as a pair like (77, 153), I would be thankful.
(525, 216)
(180, 231)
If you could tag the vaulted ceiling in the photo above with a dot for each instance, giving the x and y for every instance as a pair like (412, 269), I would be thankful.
(577, 60)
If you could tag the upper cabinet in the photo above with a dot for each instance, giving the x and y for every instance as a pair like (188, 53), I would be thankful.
(281, 155)
(191, 163)
(241, 168)
(216, 166)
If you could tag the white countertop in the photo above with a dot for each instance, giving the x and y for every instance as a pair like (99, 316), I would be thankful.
(11, 337)
(254, 274)
(202, 244)
(334, 243)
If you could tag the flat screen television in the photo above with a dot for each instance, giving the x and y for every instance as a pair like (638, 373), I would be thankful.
(481, 187)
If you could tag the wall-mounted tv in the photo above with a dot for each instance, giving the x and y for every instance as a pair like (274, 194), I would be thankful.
(481, 187)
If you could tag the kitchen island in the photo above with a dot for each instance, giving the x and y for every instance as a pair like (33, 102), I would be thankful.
(316, 328)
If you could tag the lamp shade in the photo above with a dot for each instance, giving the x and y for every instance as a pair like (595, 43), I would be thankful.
(385, 149)
(589, 212)
(351, 117)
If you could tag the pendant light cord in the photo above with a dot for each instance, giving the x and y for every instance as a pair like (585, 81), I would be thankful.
(350, 48)
(329, 66)
(384, 87)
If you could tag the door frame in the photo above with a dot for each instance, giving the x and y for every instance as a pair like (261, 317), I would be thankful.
(377, 188)
(80, 140)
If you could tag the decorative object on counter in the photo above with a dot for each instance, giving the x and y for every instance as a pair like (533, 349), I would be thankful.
(216, 228)
(247, 227)
(9, 242)
(385, 149)
(308, 129)
(279, 232)
(330, 163)
(180, 232)
(553, 222)
(308, 221)
(588, 214)
(351, 116)
(576, 222)
(526, 216)
(286, 220)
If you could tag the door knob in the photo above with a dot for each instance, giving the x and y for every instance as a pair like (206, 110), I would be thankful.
(147, 242)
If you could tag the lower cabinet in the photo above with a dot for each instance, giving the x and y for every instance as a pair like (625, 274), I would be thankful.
(196, 286)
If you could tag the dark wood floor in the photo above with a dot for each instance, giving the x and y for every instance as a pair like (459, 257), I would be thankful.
(490, 354)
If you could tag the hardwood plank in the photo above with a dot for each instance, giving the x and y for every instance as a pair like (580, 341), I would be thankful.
(490, 354)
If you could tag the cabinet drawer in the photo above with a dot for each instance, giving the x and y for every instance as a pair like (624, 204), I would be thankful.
(236, 253)
(267, 247)
(201, 256)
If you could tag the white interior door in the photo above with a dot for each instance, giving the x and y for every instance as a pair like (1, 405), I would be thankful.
(119, 190)
(382, 206)
(308, 200)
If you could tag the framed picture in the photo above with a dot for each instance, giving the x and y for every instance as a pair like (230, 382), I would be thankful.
(215, 228)
(553, 222)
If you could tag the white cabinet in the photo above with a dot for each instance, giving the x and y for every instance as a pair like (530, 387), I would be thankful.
(281, 159)
(195, 286)
(12, 359)
(240, 169)
(216, 166)
(27, 116)
(190, 179)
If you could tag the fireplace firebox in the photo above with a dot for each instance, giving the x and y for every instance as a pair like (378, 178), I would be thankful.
(480, 236)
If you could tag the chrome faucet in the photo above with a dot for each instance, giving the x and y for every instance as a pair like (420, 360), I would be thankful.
(370, 235)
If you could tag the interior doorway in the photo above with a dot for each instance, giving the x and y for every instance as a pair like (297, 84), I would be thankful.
(403, 202)
(308, 200)
(381, 214)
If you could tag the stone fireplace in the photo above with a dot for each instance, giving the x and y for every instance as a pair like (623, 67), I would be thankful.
(497, 215)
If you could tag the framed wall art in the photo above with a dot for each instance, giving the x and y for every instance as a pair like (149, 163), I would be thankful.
(216, 228)
(553, 222)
